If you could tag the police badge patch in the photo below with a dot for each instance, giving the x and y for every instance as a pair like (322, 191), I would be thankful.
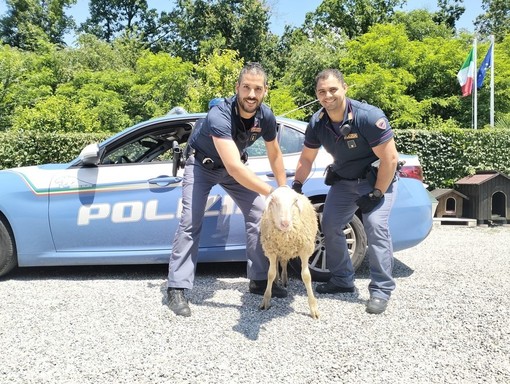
(381, 123)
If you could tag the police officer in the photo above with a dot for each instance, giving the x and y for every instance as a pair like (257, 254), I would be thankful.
(218, 147)
(357, 135)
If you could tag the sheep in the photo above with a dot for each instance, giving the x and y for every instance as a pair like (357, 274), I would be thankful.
(288, 230)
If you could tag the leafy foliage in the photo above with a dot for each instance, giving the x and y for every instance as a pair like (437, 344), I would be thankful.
(449, 12)
(113, 18)
(199, 27)
(28, 24)
(448, 154)
(138, 64)
(32, 148)
(350, 17)
(215, 76)
(496, 19)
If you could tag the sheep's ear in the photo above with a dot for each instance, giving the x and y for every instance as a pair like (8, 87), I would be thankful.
(268, 200)
(300, 205)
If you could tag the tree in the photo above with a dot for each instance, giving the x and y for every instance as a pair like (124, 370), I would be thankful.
(112, 18)
(161, 82)
(420, 24)
(308, 57)
(350, 17)
(215, 76)
(377, 69)
(496, 20)
(198, 27)
(12, 71)
(449, 12)
(28, 23)
(501, 85)
(414, 82)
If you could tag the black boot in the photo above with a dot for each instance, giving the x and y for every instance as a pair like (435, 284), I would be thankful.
(258, 287)
(177, 303)
(329, 287)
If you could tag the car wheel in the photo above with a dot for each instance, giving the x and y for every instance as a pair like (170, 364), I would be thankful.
(7, 249)
(356, 243)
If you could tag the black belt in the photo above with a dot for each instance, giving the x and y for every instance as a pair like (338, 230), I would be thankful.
(207, 162)
(356, 178)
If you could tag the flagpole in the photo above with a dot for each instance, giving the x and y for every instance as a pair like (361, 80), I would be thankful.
(475, 93)
(492, 82)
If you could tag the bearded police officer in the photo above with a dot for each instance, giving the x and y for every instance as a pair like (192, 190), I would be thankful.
(357, 135)
(219, 148)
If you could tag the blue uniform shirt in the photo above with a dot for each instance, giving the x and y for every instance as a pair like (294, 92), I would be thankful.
(352, 152)
(223, 121)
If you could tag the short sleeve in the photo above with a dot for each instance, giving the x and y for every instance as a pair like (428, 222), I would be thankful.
(377, 129)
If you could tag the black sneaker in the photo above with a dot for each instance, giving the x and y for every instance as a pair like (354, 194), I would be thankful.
(177, 303)
(329, 287)
(376, 305)
(258, 287)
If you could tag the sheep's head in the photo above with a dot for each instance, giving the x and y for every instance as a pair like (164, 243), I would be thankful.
(280, 204)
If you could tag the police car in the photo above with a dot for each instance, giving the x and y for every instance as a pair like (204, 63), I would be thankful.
(119, 202)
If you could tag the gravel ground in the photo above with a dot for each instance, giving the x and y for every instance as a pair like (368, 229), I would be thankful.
(447, 322)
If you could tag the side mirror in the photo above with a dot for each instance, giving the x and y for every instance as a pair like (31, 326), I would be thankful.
(90, 154)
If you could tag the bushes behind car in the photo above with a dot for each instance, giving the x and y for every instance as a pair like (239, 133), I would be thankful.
(20, 148)
(446, 154)
(449, 154)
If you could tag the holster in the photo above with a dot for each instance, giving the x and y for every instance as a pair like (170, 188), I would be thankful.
(330, 175)
(371, 175)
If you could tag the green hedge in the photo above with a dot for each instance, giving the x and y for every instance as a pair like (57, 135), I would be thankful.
(450, 154)
(446, 154)
(33, 148)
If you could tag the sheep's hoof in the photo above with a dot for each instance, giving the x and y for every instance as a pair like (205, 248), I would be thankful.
(266, 304)
(314, 314)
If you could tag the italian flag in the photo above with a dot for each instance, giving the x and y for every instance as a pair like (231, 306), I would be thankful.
(466, 74)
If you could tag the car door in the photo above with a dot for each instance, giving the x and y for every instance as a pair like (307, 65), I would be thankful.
(128, 207)
(131, 202)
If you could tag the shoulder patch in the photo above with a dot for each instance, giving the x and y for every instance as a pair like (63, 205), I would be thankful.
(381, 123)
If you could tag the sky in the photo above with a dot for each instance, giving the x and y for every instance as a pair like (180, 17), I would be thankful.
(292, 12)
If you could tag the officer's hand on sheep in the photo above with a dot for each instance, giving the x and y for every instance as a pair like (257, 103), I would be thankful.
(297, 186)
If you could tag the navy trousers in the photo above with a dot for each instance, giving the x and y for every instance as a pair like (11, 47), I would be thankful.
(339, 209)
(196, 185)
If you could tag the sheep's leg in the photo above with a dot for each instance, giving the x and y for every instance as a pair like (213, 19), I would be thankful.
(307, 280)
(284, 277)
(271, 275)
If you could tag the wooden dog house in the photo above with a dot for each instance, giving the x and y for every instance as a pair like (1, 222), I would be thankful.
(450, 203)
(488, 193)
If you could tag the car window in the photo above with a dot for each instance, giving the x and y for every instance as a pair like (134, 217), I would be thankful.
(150, 146)
(130, 152)
(291, 141)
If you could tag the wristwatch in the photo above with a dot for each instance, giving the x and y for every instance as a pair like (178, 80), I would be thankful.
(377, 193)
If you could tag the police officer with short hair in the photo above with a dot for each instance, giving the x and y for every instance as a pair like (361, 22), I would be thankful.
(219, 145)
(357, 135)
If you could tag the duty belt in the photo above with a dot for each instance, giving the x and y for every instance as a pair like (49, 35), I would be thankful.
(207, 162)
